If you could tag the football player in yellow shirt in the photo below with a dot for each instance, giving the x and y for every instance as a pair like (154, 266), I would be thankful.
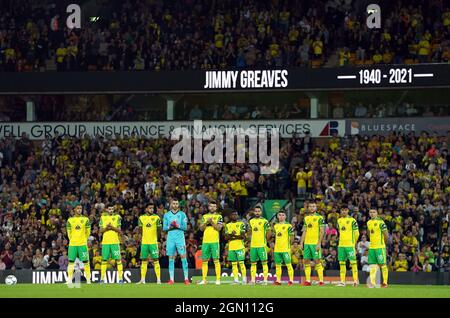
(259, 232)
(211, 225)
(235, 234)
(110, 224)
(348, 237)
(78, 230)
(151, 229)
(284, 236)
(310, 243)
(378, 236)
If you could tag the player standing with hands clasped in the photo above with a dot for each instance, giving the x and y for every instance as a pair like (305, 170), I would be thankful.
(211, 224)
(151, 227)
(235, 234)
(78, 230)
(310, 243)
(378, 236)
(110, 224)
(348, 237)
(175, 224)
(259, 231)
(284, 236)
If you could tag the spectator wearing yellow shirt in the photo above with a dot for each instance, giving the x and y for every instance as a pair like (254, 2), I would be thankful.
(110, 185)
(318, 48)
(446, 18)
(219, 40)
(401, 264)
(344, 57)
(377, 58)
(296, 254)
(293, 35)
(55, 211)
(274, 48)
(301, 177)
(424, 50)
(61, 54)
(410, 241)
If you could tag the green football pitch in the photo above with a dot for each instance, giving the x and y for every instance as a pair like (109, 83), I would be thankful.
(223, 291)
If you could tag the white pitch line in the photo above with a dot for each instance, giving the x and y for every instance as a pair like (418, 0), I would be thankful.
(346, 77)
(424, 75)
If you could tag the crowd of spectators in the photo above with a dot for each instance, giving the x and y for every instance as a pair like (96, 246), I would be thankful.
(404, 176)
(205, 34)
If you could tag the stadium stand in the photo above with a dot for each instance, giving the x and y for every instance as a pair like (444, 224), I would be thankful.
(229, 34)
(404, 176)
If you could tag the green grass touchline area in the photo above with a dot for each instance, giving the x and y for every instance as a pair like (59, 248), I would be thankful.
(223, 291)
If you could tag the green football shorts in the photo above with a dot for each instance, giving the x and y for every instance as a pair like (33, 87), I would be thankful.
(309, 252)
(258, 254)
(377, 256)
(236, 255)
(210, 250)
(111, 251)
(149, 250)
(78, 251)
(346, 253)
(282, 257)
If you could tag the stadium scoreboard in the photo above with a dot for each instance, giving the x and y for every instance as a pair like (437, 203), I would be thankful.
(307, 79)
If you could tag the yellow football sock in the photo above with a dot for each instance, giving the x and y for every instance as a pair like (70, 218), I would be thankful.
(144, 270)
(204, 269)
(384, 271)
(278, 271)
(235, 270)
(290, 271)
(70, 269)
(319, 269)
(342, 271)
(157, 270)
(217, 267)
(103, 270)
(265, 270)
(120, 270)
(87, 271)
(243, 270)
(308, 272)
(354, 266)
(373, 274)
(253, 272)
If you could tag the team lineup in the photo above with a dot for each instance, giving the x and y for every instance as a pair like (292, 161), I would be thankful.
(258, 233)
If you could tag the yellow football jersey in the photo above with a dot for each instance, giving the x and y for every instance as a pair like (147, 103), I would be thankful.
(238, 228)
(375, 228)
(110, 237)
(211, 235)
(312, 225)
(78, 230)
(259, 227)
(283, 233)
(347, 228)
(150, 225)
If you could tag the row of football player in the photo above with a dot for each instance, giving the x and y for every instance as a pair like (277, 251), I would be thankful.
(258, 231)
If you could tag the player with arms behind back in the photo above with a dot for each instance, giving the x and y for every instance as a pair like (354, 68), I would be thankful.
(211, 224)
(259, 231)
(284, 236)
(151, 227)
(110, 224)
(235, 234)
(78, 230)
(378, 236)
(348, 237)
(310, 243)
(175, 224)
